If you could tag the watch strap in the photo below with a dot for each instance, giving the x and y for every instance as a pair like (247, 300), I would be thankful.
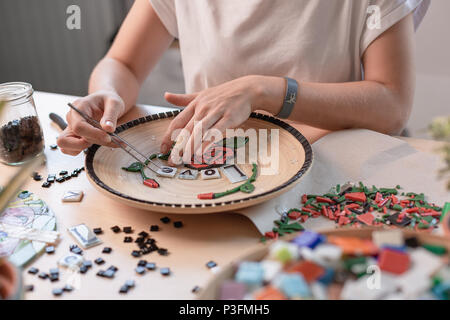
(290, 99)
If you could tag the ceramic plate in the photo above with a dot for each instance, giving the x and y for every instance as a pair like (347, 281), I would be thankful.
(104, 168)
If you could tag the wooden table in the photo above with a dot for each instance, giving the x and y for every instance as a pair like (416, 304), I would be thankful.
(219, 237)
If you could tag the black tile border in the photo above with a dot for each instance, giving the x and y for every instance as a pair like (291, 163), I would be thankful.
(89, 162)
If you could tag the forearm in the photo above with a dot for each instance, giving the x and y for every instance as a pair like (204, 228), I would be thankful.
(337, 106)
(363, 104)
(113, 76)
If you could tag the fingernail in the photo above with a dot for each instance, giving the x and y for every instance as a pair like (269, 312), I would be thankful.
(164, 148)
(109, 124)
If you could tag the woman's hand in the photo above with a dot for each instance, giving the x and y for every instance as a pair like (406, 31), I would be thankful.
(223, 107)
(105, 107)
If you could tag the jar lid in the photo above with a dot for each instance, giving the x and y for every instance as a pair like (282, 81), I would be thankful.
(13, 91)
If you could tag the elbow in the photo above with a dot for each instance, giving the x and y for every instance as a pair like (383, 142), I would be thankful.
(397, 118)
(396, 111)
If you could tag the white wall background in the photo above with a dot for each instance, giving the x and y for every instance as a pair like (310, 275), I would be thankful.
(432, 97)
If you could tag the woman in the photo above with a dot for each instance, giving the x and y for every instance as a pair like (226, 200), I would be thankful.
(320, 64)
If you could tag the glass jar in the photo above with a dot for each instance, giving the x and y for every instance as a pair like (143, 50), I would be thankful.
(21, 137)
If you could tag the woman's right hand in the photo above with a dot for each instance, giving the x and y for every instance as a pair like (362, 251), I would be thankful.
(105, 107)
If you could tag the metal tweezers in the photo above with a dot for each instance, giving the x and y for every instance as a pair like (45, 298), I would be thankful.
(116, 139)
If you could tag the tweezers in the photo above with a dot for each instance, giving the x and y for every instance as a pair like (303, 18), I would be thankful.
(116, 139)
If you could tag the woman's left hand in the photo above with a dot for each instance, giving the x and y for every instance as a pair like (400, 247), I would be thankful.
(223, 107)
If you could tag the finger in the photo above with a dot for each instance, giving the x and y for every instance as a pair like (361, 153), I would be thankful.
(182, 140)
(178, 99)
(195, 143)
(71, 152)
(110, 145)
(177, 153)
(223, 124)
(83, 129)
(180, 121)
(210, 139)
(83, 105)
(80, 127)
(111, 113)
(216, 133)
(68, 140)
(77, 143)
(196, 129)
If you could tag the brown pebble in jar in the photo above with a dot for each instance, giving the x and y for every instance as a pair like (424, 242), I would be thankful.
(21, 140)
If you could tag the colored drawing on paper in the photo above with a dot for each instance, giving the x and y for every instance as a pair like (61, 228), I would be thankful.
(27, 211)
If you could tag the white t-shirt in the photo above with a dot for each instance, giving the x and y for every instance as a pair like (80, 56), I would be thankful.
(309, 40)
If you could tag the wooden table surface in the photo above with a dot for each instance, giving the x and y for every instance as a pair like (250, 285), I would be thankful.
(219, 237)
